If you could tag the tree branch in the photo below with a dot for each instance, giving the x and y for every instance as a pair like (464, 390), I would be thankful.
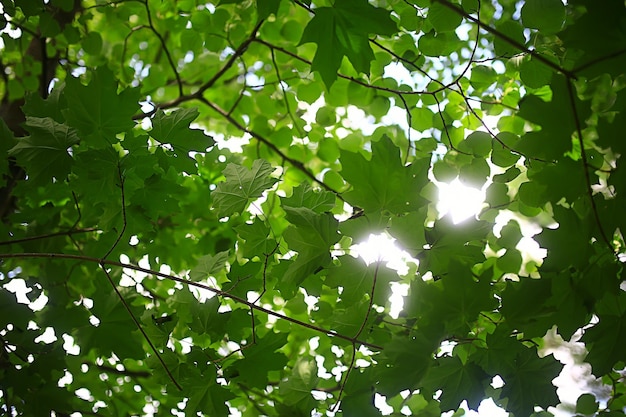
(187, 282)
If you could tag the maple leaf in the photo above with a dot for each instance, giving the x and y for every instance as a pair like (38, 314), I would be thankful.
(342, 30)
(206, 395)
(45, 152)
(455, 300)
(173, 129)
(458, 382)
(303, 379)
(241, 186)
(207, 320)
(311, 235)
(98, 111)
(255, 235)
(529, 382)
(208, 265)
(305, 196)
(384, 182)
(357, 279)
(261, 358)
(607, 337)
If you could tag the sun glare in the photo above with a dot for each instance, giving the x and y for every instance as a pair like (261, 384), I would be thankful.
(460, 201)
(382, 248)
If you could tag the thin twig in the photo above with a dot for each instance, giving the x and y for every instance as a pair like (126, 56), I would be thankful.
(284, 91)
(363, 324)
(238, 52)
(294, 162)
(583, 157)
(121, 233)
(167, 52)
(48, 236)
(47, 255)
(138, 325)
(507, 39)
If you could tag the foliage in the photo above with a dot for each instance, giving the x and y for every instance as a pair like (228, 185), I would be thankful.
(174, 275)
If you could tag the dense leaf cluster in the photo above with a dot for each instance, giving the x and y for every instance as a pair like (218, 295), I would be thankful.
(172, 274)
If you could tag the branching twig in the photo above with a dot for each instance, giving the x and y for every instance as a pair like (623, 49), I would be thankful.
(167, 52)
(508, 39)
(143, 332)
(583, 157)
(187, 282)
(284, 91)
(121, 233)
(363, 324)
(294, 162)
(238, 52)
(48, 236)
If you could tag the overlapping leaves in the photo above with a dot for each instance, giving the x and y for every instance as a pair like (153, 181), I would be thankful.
(293, 312)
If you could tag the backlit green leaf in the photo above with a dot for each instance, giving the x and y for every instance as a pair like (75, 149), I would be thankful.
(241, 186)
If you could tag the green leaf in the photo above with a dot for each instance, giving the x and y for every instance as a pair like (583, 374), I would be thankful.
(44, 154)
(510, 234)
(514, 32)
(497, 195)
(458, 382)
(482, 76)
(384, 183)
(529, 383)
(606, 340)
(455, 300)
(208, 265)
(532, 194)
(255, 235)
(511, 261)
(554, 139)
(358, 280)
(92, 44)
(449, 241)
(267, 7)
(241, 186)
(311, 235)
(208, 396)
(159, 328)
(343, 30)
(545, 15)
(531, 318)
(359, 394)
(207, 320)
(261, 358)
(439, 44)
(303, 195)
(97, 110)
(113, 319)
(296, 389)
(534, 73)
(586, 404)
(479, 143)
(173, 129)
(404, 362)
(443, 18)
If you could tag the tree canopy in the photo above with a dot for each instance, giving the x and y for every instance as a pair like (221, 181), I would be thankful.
(184, 183)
